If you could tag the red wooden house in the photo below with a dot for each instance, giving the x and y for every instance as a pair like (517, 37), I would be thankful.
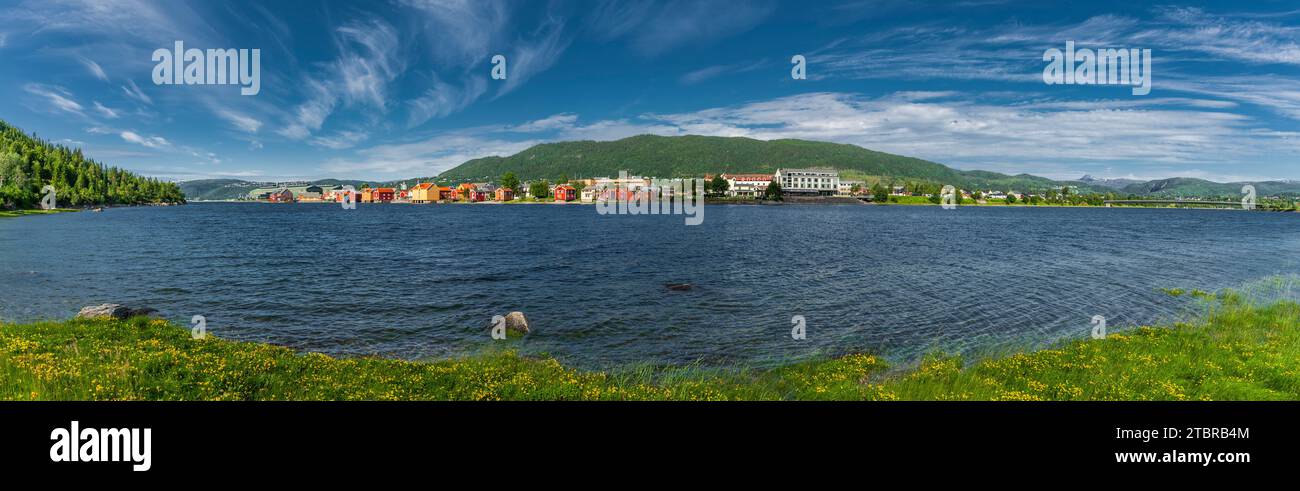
(565, 192)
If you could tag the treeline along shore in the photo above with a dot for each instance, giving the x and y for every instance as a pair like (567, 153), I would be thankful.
(35, 173)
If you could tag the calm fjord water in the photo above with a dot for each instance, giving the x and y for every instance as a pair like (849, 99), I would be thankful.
(425, 281)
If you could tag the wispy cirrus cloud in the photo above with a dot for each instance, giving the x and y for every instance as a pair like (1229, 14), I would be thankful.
(56, 97)
(340, 139)
(1239, 37)
(368, 60)
(709, 72)
(464, 36)
(247, 124)
(443, 99)
(133, 91)
(94, 68)
(536, 56)
(147, 141)
(1179, 37)
(106, 111)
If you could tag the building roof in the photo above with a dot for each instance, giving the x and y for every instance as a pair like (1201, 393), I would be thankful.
(384, 190)
(812, 169)
(423, 185)
(748, 177)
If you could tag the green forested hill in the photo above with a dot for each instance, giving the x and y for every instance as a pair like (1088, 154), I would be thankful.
(1190, 187)
(693, 156)
(28, 164)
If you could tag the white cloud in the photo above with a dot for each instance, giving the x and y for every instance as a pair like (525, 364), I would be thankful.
(443, 99)
(340, 139)
(530, 58)
(1228, 37)
(106, 111)
(239, 121)
(706, 73)
(1181, 38)
(370, 59)
(148, 141)
(134, 92)
(57, 97)
(94, 68)
(310, 115)
(549, 123)
(465, 30)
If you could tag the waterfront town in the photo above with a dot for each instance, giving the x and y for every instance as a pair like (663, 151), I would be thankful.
(811, 183)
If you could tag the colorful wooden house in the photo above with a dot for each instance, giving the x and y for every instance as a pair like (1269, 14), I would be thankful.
(425, 192)
(565, 192)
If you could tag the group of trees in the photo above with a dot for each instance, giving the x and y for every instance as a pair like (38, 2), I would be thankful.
(540, 189)
(28, 164)
(717, 186)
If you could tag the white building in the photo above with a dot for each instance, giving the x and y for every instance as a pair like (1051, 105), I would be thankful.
(619, 188)
(808, 181)
(846, 187)
(747, 185)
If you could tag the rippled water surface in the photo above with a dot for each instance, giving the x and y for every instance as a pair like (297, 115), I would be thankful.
(425, 281)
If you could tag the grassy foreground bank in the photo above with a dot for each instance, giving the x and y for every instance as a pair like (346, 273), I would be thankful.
(1236, 351)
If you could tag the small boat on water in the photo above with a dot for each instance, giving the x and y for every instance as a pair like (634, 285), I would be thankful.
(96, 210)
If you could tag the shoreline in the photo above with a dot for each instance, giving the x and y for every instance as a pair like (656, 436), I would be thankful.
(838, 202)
(1236, 351)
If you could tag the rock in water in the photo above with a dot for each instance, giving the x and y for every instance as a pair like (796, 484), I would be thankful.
(112, 311)
(516, 322)
(678, 287)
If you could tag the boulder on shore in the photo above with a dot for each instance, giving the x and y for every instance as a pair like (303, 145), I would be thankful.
(516, 322)
(112, 311)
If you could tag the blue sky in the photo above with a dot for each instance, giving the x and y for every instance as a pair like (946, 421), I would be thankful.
(388, 90)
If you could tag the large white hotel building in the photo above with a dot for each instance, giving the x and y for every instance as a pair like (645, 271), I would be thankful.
(808, 181)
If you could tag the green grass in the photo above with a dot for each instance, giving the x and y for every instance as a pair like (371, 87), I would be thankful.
(1236, 352)
(18, 213)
